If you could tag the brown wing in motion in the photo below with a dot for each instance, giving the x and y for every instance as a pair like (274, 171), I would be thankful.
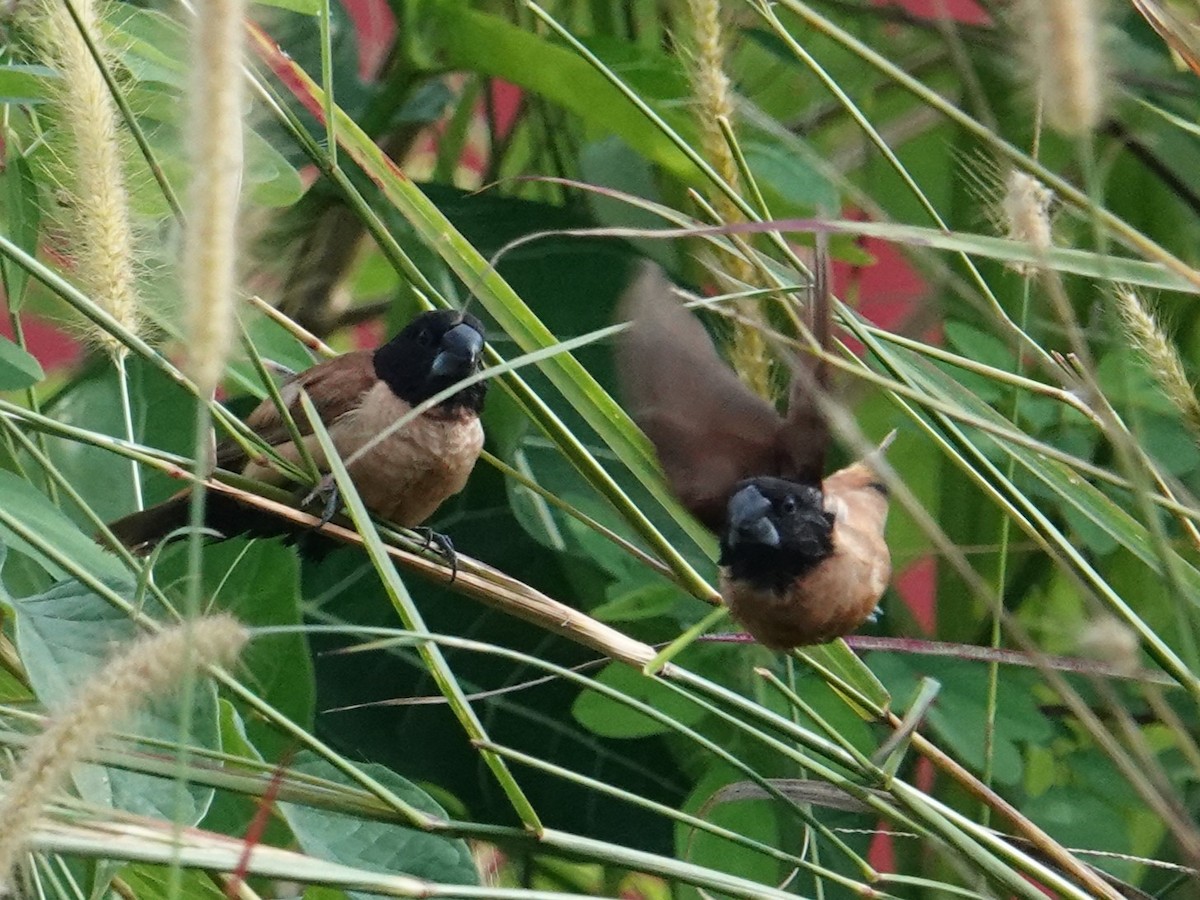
(709, 429)
(805, 434)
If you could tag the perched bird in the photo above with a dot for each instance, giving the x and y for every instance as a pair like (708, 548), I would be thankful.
(406, 476)
(803, 560)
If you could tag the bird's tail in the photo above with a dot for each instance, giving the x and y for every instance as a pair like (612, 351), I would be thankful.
(142, 531)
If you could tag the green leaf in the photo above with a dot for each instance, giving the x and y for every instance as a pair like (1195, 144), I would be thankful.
(756, 819)
(24, 83)
(24, 216)
(163, 415)
(461, 38)
(841, 662)
(68, 632)
(150, 881)
(34, 513)
(642, 601)
(798, 184)
(150, 44)
(378, 846)
(259, 582)
(305, 7)
(960, 711)
(232, 812)
(609, 718)
(18, 369)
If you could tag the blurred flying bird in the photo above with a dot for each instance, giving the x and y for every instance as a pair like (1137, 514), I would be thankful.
(803, 558)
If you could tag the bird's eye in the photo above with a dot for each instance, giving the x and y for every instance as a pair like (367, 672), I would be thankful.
(424, 337)
(788, 506)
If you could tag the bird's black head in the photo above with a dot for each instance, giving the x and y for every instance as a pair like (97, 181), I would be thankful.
(776, 530)
(432, 352)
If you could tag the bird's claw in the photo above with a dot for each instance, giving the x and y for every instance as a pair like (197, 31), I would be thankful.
(327, 492)
(875, 615)
(443, 545)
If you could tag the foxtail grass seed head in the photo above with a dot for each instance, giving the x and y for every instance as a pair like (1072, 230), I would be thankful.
(1108, 640)
(1160, 354)
(1064, 54)
(210, 241)
(1025, 214)
(714, 104)
(136, 672)
(96, 223)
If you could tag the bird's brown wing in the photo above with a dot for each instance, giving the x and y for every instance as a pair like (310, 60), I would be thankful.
(335, 387)
(805, 435)
(709, 429)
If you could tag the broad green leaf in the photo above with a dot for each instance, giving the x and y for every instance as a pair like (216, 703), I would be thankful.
(259, 582)
(24, 216)
(643, 601)
(18, 369)
(34, 513)
(64, 636)
(461, 38)
(163, 417)
(24, 83)
(231, 812)
(378, 846)
(150, 44)
(608, 718)
(777, 165)
(150, 881)
(759, 820)
(305, 7)
(960, 711)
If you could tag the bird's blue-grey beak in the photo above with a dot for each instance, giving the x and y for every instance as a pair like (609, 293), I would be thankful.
(458, 352)
(748, 522)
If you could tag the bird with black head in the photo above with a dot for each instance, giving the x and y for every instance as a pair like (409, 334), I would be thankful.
(803, 557)
(405, 476)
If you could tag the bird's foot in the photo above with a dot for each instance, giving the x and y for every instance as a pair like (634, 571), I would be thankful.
(875, 615)
(327, 492)
(443, 545)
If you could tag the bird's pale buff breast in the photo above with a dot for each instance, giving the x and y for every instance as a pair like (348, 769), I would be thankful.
(408, 475)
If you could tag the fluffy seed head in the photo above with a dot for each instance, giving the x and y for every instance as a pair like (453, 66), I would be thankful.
(1160, 354)
(210, 241)
(1061, 42)
(1109, 640)
(1025, 213)
(714, 104)
(147, 667)
(96, 222)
